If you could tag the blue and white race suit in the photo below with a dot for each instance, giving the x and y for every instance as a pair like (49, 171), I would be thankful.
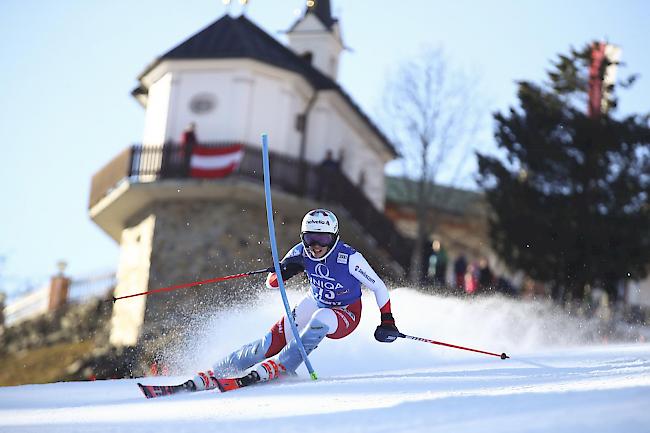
(336, 280)
(332, 308)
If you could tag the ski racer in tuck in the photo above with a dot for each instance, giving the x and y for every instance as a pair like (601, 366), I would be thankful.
(332, 308)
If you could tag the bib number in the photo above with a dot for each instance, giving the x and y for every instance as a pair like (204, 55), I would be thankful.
(325, 294)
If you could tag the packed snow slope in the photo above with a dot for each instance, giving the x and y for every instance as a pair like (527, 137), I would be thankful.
(562, 377)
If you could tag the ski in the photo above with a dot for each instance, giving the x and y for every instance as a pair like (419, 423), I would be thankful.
(223, 384)
(152, 391)
(232, 384)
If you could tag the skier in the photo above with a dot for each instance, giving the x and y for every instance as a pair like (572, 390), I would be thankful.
(332, 308)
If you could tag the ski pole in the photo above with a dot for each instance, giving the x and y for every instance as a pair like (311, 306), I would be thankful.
(274, 252)
(196, 283)
(410, 337)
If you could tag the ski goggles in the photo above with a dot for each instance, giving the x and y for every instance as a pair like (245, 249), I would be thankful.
(322, 239)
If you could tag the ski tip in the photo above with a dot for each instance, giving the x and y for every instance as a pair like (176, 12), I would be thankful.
(313, 375)
(504, 356)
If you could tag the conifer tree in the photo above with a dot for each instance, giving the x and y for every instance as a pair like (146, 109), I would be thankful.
(570, 196)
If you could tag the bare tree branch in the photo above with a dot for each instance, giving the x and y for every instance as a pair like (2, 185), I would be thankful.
(431, 116)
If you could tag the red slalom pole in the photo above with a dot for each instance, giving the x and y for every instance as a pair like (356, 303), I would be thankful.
(196, 283)
(502, 356)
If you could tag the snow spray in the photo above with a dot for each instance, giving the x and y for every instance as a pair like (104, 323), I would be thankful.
(523, 326)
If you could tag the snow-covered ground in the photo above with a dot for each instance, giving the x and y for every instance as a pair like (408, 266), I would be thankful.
(561, 377)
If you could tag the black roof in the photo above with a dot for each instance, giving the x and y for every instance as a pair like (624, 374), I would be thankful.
(230, 37)
(323, 11)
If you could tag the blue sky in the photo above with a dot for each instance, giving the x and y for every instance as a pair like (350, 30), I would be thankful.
(68, 67)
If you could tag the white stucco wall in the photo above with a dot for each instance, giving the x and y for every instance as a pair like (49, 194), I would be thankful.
(157, 112)
(251, 98)
(219, 123)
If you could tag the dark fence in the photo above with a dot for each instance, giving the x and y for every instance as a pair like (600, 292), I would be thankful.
(326, 184)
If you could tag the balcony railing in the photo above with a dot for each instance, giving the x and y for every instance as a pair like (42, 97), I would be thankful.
(148, 163)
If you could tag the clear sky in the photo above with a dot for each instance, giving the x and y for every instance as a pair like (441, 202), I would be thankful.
(67, 68)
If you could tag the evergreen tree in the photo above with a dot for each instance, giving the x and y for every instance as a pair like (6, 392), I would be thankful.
(570, 198)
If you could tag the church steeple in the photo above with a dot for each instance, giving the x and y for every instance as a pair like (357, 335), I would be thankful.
(316, 37)
(322, 9)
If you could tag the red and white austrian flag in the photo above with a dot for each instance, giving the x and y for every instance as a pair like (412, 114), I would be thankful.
(214, 162)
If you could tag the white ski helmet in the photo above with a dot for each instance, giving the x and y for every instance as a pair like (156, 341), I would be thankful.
(320, 222)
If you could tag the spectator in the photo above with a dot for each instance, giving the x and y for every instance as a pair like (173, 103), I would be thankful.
(460, 269)
(329, 169)
(504, 286)
(485, 276)
(176, 159)
(188, 141)
(188, 137)
(470, 280)
(437, 265)
(441, 265)
(329, 163)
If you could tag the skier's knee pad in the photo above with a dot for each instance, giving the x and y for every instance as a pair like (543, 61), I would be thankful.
(327, 317)
(314, 333)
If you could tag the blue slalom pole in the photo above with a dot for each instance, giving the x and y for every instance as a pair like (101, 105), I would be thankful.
(274, 251)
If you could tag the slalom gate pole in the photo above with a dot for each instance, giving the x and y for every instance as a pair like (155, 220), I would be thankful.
(274, 251)
(410, 337)
(196, 283)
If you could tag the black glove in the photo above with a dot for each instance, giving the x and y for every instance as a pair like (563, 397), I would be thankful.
(387, 332)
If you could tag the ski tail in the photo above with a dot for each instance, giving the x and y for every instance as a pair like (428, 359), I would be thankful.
(153, 391)
(224, 385)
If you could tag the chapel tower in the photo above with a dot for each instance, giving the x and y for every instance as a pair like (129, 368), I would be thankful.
(317, 38)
